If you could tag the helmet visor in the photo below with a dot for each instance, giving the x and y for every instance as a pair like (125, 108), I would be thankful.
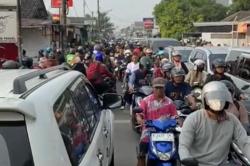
(217, 100)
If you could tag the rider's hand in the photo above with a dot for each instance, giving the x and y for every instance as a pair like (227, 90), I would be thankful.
(139, 119)
(189, 162)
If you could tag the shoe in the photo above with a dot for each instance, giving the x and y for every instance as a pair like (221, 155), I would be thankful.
(122, 108)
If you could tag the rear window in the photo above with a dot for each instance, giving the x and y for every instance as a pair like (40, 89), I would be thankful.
(14, 144)
(165, 43)
(185, 55)
(212, 57)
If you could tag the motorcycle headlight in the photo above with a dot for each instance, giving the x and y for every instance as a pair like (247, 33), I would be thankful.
(163, 157)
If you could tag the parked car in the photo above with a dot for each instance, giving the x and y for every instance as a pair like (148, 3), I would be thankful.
(156, 43)
(208, 54)
(54, 117)
(184, 51)
(238, 61)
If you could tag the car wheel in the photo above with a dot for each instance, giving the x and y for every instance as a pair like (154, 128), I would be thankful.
(112, 162)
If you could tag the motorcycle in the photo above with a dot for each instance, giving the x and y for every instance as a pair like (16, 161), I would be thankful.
(120, 70)
(236, 156)
(138, 95)
(183, 111)
(163, 142)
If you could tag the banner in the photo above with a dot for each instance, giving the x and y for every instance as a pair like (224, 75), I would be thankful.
(57, 3)
(8, 2)
(8, 27)
(148, 23)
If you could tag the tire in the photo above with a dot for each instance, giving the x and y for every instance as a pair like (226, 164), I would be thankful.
(112, 162)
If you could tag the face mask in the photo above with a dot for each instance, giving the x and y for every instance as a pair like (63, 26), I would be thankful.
(216, 105)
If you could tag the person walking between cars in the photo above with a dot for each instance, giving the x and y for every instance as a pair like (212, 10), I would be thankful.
(207, 134)
(154, 107)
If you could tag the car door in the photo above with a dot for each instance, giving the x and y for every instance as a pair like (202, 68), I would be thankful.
(107, 124)
(96, 154)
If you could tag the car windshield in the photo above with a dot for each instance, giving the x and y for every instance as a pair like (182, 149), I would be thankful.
(185, 55)
(212, 57)
(14, 144)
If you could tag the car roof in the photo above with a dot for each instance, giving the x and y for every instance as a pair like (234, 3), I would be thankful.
(214, 50)
(162, 39)
(180, 48)
(9, 76)
(243, 49)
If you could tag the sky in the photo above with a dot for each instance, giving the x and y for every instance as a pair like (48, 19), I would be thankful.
(122, 12)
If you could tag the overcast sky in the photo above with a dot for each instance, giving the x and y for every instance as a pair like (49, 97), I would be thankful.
(122, 12)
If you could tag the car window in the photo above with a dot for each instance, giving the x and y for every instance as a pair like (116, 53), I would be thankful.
(185, 55)
(240, 67)
(74, 127)
(94, 100)
(192, 56)
(14, 144)
(213, 57)
(233, 55)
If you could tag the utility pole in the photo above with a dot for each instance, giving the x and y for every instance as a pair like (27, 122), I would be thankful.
(19, 25)
(84, 8)
(98, 16)
(63, 22)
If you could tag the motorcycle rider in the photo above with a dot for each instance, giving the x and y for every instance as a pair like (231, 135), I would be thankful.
(166, 70)
(177, 89)
(207, 134)
(176, 59)
(154, 107)
(96, 73)
(237, 107)
(131, 68)
(137, 78)
(196, 76)
(146, 60)
(219, 68)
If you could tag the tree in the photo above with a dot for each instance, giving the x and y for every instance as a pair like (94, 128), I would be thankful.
(239, 5)
(106, 26)
(177, 16)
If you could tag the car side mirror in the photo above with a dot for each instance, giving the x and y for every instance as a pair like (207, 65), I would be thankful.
(111, 100)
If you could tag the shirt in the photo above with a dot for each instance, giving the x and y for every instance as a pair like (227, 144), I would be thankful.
(208, 141)
(154, 109)
(132, 67)
(178, 92)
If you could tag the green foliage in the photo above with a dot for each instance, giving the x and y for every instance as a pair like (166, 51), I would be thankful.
(177, 16)
(239, 5)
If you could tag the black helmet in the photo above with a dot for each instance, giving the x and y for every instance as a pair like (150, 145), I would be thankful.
(218, 63)
(175, 72)
(27, 62)
(230, 86)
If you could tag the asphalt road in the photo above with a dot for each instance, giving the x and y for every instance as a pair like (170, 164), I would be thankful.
(126, 139)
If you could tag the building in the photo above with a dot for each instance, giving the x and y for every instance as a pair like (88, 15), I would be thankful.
(36, 26)
(232, 31)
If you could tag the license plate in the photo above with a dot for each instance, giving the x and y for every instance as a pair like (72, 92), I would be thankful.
(162, 137)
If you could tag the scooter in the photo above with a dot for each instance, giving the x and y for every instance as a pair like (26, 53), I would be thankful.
(163, 144)
(138, 95)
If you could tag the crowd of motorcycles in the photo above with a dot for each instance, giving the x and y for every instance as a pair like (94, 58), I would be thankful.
(164, 135)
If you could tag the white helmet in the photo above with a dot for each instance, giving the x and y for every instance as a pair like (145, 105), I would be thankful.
(149, 51)
(199, 62)
(128, 52)
(215, 95)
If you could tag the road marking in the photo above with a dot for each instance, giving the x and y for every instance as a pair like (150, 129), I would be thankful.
(122, 121)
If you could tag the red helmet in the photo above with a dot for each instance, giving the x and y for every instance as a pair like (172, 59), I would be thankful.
(137, 52)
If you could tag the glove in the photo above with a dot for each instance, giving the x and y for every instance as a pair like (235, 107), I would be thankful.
(190, 162)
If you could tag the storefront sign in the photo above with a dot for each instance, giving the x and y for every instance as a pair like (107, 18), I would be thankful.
(8, 27)
(57, 3)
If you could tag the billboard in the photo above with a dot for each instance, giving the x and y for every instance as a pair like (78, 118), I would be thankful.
(148, 23)
(8, 27)
(8, 2)
(57, 3)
